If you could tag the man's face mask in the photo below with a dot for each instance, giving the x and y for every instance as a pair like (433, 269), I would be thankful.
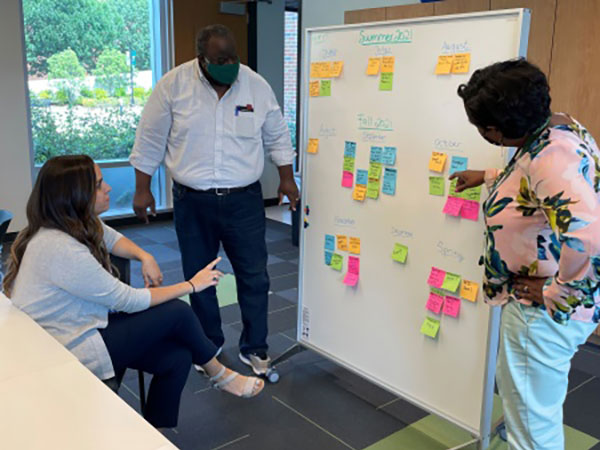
(224, 74)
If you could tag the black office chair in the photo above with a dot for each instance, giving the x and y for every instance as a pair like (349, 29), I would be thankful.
(123, 265)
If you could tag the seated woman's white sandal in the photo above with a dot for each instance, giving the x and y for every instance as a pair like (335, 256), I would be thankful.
(250, 388)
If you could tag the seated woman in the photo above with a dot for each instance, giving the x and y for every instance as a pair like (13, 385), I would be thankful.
(60, 274)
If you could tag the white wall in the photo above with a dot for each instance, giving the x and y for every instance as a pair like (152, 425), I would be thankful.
(15, 143)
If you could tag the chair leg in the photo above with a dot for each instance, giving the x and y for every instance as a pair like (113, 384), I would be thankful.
(142, 390)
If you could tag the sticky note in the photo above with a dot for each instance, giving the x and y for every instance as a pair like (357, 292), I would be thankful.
(325, 90)
(313, 146)
(470, 210)
(386, 81)
(347, 179)
(430, 327)
(389, 181)
(373, 189)
(373, 66)
(314, 88)
(329, 242)
(350, 149)
(437, 161)
(376, 154)
(375, 171)
(336, 68)
(451, 306)
(351, 279)
(461, 63)
(349, 164)
(438, 291)
(468, 290)
(359, 193)
(336, 261)
(451, 282)
(453, 206)
(434, 303)
(473, 194)
(342, 242)
(387, 64)
(362, 176)
(458, 164)
(328, 256)
(444, 64)
(353, 264)
(436, 277)
(437, 186)
(315, 70)
(389, 156)
(354, 245)
(400, 253)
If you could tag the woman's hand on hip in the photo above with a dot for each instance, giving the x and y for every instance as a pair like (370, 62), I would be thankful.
(532, 289)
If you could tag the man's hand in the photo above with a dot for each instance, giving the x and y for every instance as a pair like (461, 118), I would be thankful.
(287, 186)
(142, 200)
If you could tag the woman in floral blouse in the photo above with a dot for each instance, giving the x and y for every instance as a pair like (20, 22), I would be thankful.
(542, 257)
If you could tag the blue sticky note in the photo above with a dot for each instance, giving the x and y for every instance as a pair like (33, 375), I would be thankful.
(376, 153)
(350, 149)
(389, 156)
(362, 177)
(389, 181)
(330, 242)
(458, 164)
(328, 256)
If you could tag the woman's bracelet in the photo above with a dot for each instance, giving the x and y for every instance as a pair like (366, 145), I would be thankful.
(193, 287)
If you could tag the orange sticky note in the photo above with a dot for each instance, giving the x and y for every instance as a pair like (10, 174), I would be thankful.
(336, 68)
(342, 242)
(468, 290)
(387, 64)
(313, 146)
(360, 192)
(314, 88)
(437, 161)
(373, 66)
(355, 245)
(320, 69)
(444, 64)
(325, 69)
(461, 63)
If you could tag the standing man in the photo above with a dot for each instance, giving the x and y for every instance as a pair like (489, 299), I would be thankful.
(211, 119)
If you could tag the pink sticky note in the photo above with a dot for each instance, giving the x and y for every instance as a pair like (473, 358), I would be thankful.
(470, 210)
(436, 277)
(452, 306)
(347, 179)
(453, 206)
(434, 303)
(351, 279)
(353, 264)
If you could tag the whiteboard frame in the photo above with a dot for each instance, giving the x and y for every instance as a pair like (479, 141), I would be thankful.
(483, 433)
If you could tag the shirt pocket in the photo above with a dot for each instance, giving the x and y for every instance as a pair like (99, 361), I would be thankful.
(245, 125)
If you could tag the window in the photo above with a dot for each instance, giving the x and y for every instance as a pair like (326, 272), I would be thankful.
(89, 66)
(290, 71)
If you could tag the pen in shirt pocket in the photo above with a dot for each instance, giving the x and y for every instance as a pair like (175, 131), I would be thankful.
(243, 108)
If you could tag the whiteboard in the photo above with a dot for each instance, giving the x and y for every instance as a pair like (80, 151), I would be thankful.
(374, 328)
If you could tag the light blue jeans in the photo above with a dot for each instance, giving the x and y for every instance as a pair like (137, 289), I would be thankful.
(533, 374)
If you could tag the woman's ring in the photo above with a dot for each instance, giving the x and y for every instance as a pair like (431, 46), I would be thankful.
(526, 289)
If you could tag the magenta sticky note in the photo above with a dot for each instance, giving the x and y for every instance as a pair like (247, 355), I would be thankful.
(451, 306)
(436, 277)
(453, 206)
(354, 265)
(470, 210)
(347, 179)
(351, 279)
(434, 303)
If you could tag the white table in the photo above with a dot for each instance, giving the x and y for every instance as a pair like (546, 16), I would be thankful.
(49, 400)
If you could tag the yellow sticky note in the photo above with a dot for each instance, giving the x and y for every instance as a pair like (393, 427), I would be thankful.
(336, 68)
(444, 64)
(313, 146)
(360, 192)
(314, 70)
(373, 66)
(430, 327)
(320, 69)
(342, 242)
(355, 245)
(437, 161)
(325, 69)
(387, 64)
(468, 290)
(314, 88)
(461, 63)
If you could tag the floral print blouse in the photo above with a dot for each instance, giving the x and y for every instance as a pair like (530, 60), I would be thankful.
(543, 220)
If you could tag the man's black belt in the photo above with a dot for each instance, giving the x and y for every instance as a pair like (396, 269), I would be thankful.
(218, 191)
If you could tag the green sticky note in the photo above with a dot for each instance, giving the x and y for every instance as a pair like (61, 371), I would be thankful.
(438, 291)
(399, 253)
(337, 261)
(373, 189)
(386, 80)
(436, 186)
(451, 282)
(349, 163)
(472, 193)
(375, 170)
(430, 327)
(325, 90)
